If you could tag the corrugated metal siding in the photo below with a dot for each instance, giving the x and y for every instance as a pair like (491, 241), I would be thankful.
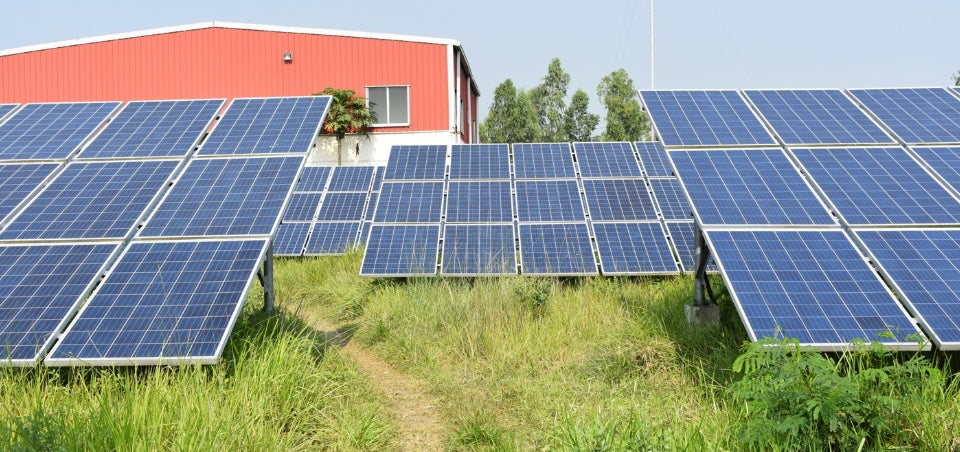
(220, 62)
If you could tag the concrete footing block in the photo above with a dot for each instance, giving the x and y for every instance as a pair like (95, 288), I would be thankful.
(707, 315)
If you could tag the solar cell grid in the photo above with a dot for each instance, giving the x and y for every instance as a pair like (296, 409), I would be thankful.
(479, 202)
(478, 249)
(416, 163)
(51, 131)
(410, 202)
(556, 249)
(351, 178)
(479, 161)
(543, 161)
(755, 187)
(342, 207)
(401, 250)
(945, 161)
(916, 115)
(40, 286)
(633, 248)
(683, 239)
(154, 129)
(704, 118)
(874, 186)
(267, 126)
(618, 200)
(313, 179)
(163, 303)
(371, 206)
(92, 200)
(816, 117)
(5, 109)
(19, 181)
(302, 207)
(812, 285)
(332, 238)
(606, 159)
(671, 200)
(654, 159)
(290, 239)
(549, 200)
(378, 177)
(364, 232)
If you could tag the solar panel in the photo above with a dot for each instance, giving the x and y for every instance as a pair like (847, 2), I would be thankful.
(5, 109)
(478, 250)
(945, 161)
(163, 303)
(154, 129)
(92, 200)
(51, 131)
(401, 250)
(351, 178)
(19, 181)
(556, 249)
(682, 236)
(654, 159)
(364, 232)
(756, 187)
(410, 202)
(543, 161)
(816, 117)
(704, 118)
(607, 160)
(549, 200)
(671, 200)
(40, 287)
(225, 197)
(313, 179)
(872, 186)
(371, 206)
(922, 264)
(633, 248)
(302, 207)
(378, 177)
(618, 200)
(342, 207)
(416, 163)
(290, 239)
(916, 115)
(332, 238)
(479, 202)
(812, 285)
(267, 126)
(479, 161)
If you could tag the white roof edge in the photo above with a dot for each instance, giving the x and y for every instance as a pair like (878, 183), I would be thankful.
(231, 25)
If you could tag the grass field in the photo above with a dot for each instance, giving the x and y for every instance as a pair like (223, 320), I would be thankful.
(513, 363)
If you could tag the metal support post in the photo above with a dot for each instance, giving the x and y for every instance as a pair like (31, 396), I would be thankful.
(266, 280)
(700, 311)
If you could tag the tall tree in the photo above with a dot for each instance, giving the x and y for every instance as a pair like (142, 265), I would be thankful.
(956, 78)
(578, 122)
(625, 120)
(348, 114)
(548, 100)
(512, 117)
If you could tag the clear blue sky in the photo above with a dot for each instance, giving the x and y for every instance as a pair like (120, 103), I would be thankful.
(699, 43)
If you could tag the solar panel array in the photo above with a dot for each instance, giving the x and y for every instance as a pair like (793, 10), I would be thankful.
(816, 117)
(178, 234)
(705, 118)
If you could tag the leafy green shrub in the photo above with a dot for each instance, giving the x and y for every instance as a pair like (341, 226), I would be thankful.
(533, 293)
(39, 430)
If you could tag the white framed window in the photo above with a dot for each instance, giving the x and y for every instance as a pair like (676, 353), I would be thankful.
(391, 104)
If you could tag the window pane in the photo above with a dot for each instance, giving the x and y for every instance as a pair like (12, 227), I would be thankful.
(398, 105)
(377, 100)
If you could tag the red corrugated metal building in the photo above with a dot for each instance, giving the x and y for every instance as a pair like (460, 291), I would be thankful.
(423, 88)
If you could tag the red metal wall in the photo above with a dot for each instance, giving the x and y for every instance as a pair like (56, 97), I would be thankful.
(226, 62)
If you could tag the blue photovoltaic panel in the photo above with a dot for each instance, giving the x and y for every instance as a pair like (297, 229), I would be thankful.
(479, 161)
(5, 109)
(682, 236)
(671, 199)
(410, 202)
(556, 249)
(478, 249)
(607, 160)
(401, 250)
(549, 200)
(704, 118)
(371, 206)
(154, 129)
(225, 197)
(756, 187)
(916, 115)
(92, 200)
(479, 202)
(922, 263)
(342, 207)
(543, 161)
(163, 303)
(633, 248)
(816, 117)
(351, 178)
(332, 238)
(378, 177)
(875, 186)
(51, 131)
(17, 181)
(40, 286)
(313, 179)
(302, 207)
(618, 200)
(364, 232)
(416, 163)
(290, 239)
(811, 285)
(654, 159)
(274, 125)
(945, 161)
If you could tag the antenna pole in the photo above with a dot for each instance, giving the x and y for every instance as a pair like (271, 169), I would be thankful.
(651, 44)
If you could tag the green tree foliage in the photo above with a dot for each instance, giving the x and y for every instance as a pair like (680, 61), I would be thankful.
(625, 120)
(548, 100)
(512, 117)
(956, 78)
(578, 122)
(348, 114)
